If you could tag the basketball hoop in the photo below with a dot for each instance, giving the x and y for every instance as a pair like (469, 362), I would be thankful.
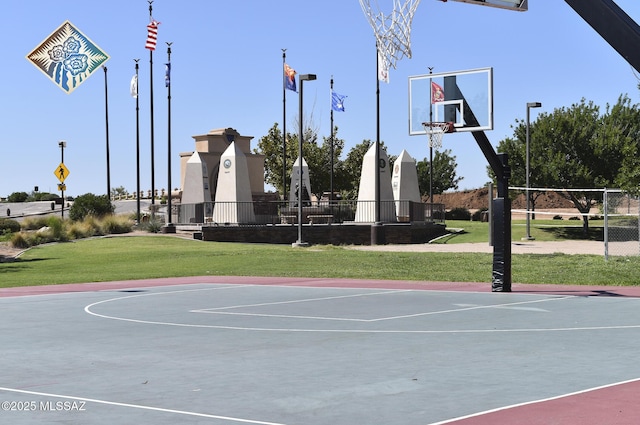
(393, 32)
(436, 131)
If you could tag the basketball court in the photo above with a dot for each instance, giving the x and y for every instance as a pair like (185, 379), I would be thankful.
(225, 350)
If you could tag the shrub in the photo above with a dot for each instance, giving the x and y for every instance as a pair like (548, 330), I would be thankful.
(19, 240)
(56, 228)
(35, 223)
(80, 230)
(458, 214)
(116, 225)
(8, 225)
(477, 216)
(18, 197)
(90, 205)
(153, 226)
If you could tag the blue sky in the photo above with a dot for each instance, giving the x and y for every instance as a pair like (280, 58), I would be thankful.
(227, 72)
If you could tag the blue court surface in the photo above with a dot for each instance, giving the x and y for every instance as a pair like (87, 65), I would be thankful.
(307, 352)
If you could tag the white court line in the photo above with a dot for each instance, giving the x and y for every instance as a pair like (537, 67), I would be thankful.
(138, 406)
(87, 309)
(429, 313)
(304, 300)
(283, 316)
(527, 403)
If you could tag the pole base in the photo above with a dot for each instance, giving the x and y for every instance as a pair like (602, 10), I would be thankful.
(528, 238)
(169, 228)
(300, 244)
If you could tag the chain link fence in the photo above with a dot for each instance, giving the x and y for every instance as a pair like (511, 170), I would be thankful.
(621, 219)
(619, 210)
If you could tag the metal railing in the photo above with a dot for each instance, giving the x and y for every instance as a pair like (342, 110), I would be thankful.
(323, 212)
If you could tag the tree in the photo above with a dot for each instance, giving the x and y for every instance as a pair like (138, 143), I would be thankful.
(571, 148)
(90, 205)
(624, 123)
(18, 197)
(271, 147)
(444, 173)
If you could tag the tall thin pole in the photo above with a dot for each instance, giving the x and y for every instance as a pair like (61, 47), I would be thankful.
(377, 166)
(331, 151)
(62, 145)
(153, 186)
(284, 127)
(138, 193)
(168, 84)
(106, 118)
(430, 142)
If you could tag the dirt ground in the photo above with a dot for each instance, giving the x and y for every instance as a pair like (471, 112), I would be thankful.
(479, 198)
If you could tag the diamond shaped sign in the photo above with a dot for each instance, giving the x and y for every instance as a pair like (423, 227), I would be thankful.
(67, 57)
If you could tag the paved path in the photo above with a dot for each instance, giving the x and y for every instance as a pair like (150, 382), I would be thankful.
(533, 247)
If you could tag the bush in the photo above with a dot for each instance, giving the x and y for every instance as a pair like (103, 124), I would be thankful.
(477, 216)
(35, 223)
(18, 197)
(458, 214)
(153, 226)
(113, 225)
(90, 205)
(8, 225)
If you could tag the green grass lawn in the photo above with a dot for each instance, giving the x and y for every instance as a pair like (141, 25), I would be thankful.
(140, 257)
(541, 230)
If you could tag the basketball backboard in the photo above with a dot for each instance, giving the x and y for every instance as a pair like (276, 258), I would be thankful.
(464, 98)
(519, 5)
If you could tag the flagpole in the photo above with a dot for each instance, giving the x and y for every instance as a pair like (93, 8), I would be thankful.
(137, 147)
(284, 128)
(106, 118)
(153, 186)
(331, 175)
(169, 228)
(374, 232)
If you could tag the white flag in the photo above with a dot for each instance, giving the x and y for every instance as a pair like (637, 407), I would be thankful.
(134, 87)
(383, 69)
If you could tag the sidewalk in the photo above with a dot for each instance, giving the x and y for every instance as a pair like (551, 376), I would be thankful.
(532, 247)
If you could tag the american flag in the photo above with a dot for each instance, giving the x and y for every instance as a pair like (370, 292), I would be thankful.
(152, 35)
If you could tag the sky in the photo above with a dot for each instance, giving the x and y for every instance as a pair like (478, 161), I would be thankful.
(226, 59)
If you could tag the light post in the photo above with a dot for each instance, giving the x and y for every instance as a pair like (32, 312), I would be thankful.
(302, 79)
(529, 106)
(62, 145)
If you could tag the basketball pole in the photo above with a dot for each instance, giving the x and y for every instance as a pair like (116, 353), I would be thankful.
(430, 142)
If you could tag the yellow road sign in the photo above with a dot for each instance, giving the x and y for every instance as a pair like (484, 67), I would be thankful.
(62, 187)
(61, 172)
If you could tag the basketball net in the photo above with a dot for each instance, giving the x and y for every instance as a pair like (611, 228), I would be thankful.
(436, 131)
(393, 32)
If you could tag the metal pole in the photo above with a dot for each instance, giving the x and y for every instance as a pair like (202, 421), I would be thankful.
(137, 147)
(528, 218)
(106, 118)
(153, 185)
(430, 143)
(301, 79)
(331, 150)
(284, 128)
(62, 145)
(169, 228)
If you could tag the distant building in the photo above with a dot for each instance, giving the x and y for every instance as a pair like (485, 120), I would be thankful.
(212, 145)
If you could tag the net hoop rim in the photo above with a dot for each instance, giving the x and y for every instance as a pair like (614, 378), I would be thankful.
(438, 127)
